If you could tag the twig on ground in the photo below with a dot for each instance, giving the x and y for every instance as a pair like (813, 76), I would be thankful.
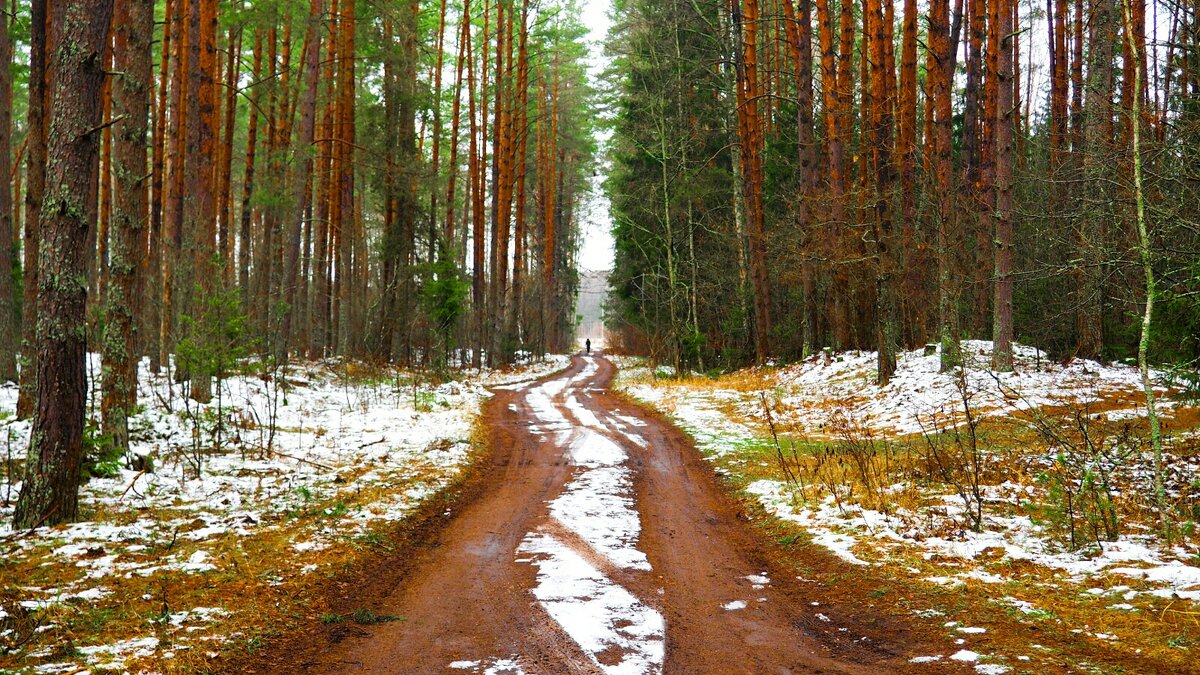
(305, 461)
(132, 483)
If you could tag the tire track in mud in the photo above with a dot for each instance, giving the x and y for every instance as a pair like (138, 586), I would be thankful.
(600, 542)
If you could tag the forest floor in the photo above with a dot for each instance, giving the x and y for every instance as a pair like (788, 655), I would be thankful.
(807, 521)
(1062, 565)
(235, 515)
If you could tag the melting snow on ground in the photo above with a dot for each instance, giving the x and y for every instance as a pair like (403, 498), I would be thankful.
(919, 390)
(351, 450)
(811, 398)
(596, 612)
(508, 666)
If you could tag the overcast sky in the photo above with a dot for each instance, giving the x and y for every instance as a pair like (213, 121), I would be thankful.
(596, 246)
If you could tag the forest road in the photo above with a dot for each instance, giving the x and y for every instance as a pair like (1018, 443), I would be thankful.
(600, 542)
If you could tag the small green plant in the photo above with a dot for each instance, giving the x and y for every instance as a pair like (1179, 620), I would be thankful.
(95, 619)
(444, 298)
(372, 540)
(1181, 641)
(1040, 615)
(1188, 528)
(329, 618)
(214, 342)
(426, 401)
(100, 458)
(1081, 502)
(366, 617)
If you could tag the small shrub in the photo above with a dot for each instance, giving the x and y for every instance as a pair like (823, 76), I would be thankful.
(953, 454)
(1079, 481)
(101, 459)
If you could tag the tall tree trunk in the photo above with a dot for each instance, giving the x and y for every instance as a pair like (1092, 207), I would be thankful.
(499, 94)
(263, 242)
(331, 260)
(399, 244)
(1098, 210)
(300, 181)
(1077, 84)
(521, 125)
(50, 491)
(225, 235)
(195, 274)
(131, 104)
(746, 24)
(940, 79)
(245, 217)
(882, 71)
(151, 316)
(464, 44)
(277, 213)
(476, 199)
(843, 232)
(348, 237)
(503, 177)
(177, 135)
(972, 120)
(9, 317)
(99, 235)
(392, 251)
(549, 168)
(1057, 28)
(912, 282)
(799, 30)
(1002, 313)
(35, 182)
(436, 154)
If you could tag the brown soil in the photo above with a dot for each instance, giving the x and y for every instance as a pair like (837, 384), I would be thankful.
(458, 593)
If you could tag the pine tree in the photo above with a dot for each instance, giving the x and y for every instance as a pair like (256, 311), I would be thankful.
(49, 492)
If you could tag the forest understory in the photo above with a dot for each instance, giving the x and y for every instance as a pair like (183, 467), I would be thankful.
(1014, 510)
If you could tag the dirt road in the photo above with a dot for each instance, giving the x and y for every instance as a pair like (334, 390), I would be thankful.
(600, 542)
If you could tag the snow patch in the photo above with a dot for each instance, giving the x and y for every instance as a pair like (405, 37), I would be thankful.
(596, 612)
(595, 506)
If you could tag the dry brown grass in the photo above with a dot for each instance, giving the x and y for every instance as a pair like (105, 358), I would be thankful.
(859, 467)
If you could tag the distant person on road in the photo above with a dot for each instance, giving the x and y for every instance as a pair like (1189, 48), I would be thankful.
(588, 344)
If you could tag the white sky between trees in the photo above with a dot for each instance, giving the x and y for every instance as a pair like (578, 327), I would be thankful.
(596, 242)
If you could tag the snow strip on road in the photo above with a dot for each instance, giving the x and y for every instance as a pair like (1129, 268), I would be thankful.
(598, 506)
(597, 613)
(595, 507)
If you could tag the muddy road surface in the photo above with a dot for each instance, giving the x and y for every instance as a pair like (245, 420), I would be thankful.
(599, 542)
